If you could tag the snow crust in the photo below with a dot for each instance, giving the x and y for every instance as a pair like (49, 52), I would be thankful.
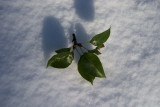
(30, 31)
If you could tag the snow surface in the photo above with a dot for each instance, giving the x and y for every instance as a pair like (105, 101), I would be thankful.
(30, 31)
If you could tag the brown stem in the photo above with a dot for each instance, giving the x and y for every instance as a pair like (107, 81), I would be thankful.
(75, 42)
(74, 39)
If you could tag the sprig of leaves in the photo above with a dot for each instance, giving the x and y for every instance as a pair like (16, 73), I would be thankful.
(89, 65)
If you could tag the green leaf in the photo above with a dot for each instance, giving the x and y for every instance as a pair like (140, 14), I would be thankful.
(100, 38)
(94, 51)
(100, 46)
(63, 50)
(61, 60)
(89, 66)
(87, 76)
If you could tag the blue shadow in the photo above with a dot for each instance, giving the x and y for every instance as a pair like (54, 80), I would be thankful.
(52, 36)
(85, 9)
(144, 1)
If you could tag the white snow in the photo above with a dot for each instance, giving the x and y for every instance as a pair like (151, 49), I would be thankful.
(30, 31)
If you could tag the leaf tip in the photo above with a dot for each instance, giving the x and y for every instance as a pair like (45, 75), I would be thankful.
(110, 26)
(91, 82)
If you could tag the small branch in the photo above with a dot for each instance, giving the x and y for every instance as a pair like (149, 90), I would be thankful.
(75, 44)
(74, 39)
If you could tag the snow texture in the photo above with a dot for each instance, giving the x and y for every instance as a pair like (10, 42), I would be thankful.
(31, 30)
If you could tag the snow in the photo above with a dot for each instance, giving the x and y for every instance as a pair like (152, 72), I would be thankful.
(30, 31)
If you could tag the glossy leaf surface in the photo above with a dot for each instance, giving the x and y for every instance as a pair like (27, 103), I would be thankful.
(87, 76)
(89, 66)
(61, 60)
(99, 39)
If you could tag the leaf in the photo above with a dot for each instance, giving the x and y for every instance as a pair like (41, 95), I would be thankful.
(89, 66)
(94, 51)
(87, 76)
(63, 50)
(100, 38)
(61, 60)
(100, 46)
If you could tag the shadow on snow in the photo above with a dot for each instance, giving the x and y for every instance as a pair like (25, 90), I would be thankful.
(52, 36)
(85, 9)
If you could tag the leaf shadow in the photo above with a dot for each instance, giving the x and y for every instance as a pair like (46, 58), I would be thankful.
(85, 9)
(53, 37)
